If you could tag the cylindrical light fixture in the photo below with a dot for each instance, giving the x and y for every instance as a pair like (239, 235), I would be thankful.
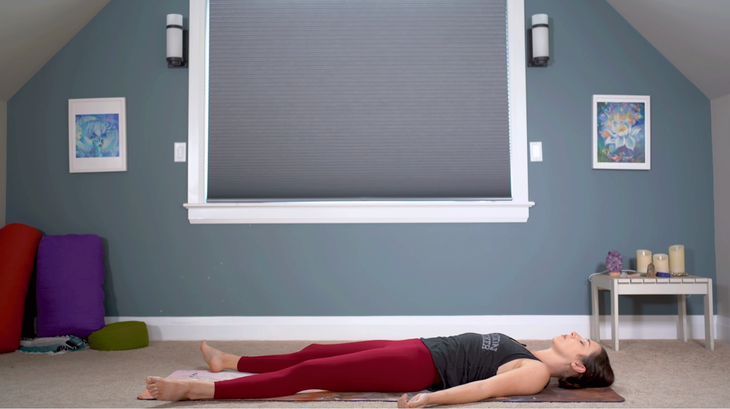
(540, 40)
(175, 40)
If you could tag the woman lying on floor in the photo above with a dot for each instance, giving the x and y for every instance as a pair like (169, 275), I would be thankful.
(460, 369)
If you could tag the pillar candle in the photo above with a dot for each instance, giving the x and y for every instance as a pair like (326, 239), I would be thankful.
(661, 263)
(676, 258)
(643, 259)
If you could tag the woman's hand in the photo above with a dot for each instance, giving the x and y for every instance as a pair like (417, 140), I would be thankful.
(417, 401)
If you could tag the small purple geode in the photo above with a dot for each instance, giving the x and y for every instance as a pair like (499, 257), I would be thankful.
(614, 262)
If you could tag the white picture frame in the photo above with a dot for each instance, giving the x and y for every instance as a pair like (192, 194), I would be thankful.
(97, 135)
(621, 132)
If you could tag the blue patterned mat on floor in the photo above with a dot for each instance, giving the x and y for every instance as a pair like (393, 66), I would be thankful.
(52, 345)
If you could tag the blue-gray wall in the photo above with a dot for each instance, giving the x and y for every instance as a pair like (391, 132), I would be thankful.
(160, 264)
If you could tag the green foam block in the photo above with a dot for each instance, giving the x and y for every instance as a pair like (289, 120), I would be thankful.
(120, 336)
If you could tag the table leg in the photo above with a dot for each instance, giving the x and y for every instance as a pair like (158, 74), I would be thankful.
(614, 315)
(595, 324)
(709, 319)
(682, 317)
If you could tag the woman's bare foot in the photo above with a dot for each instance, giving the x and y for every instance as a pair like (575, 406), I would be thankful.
(218, 360)
(174, 390)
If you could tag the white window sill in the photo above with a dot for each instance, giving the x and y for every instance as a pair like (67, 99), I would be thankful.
(359, 212)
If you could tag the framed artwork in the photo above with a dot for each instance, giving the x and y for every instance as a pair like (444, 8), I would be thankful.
(621, 132)
(97, 135)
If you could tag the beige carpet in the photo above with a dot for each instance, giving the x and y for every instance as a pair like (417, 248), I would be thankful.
(662, 373)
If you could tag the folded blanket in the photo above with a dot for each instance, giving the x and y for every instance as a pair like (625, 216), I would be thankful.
(52, 345)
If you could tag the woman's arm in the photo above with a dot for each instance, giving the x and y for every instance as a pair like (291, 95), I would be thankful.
(527, 379)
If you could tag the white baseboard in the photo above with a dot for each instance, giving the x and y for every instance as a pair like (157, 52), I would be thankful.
(401, 327)
(723, 328)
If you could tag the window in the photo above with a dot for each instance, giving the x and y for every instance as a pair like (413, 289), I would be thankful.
(200, 210)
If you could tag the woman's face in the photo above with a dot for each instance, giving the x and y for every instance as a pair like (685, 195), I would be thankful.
(571, 345)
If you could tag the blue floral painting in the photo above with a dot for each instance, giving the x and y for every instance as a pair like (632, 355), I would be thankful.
(621, 132)
(97, 136)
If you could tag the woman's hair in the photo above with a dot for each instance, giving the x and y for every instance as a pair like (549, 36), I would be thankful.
(598, 373)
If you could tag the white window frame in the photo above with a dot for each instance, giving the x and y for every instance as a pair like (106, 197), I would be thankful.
(442, 211)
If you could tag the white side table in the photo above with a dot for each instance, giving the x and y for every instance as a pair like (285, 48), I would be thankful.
(680, 286)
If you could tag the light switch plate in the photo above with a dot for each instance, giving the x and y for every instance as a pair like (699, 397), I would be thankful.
(180, 151)
(535, 151)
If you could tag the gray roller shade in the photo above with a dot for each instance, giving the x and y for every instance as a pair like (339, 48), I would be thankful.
(358, 100)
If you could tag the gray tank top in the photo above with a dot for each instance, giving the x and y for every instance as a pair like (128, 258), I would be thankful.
(472, 357)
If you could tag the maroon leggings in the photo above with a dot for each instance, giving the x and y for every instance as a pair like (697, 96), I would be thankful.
(368, 366)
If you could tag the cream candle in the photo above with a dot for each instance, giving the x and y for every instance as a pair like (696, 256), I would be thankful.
(643, 259)
(661, 263)
(676, 258)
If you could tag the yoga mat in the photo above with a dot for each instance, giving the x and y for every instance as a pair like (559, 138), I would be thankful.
(550, 394)
(52, 345)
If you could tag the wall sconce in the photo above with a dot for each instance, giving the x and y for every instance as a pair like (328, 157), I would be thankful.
(177, 42)
(538, 44)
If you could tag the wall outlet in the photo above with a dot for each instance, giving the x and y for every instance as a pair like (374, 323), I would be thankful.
(181, 151)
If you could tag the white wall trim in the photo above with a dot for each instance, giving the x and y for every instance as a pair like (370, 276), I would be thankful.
(3, 159)
(359, 212)
(722, 328)
(720, 112)
(401, 327)
(197, 102)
